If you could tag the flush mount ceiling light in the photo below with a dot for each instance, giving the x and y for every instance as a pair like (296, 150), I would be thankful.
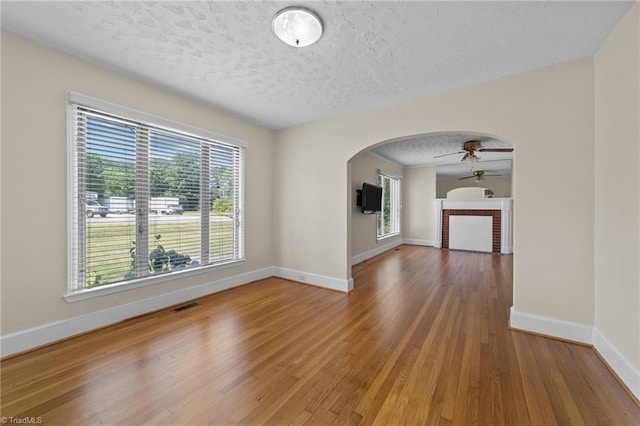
(297, 26)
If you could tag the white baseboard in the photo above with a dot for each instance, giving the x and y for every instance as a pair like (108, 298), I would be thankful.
(358, 258)
(583, 334)
(339, 284)
(48, 333)
(623, 369)
(38, 336)
(506, 250)
(31, 338)
(415, 242)
(551, 327)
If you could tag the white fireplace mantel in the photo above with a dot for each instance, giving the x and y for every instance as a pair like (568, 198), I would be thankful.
(505, 205)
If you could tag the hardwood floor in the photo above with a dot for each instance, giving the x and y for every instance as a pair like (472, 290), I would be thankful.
(423, 339)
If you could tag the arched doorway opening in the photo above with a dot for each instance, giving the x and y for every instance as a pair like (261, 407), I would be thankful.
(429, 166)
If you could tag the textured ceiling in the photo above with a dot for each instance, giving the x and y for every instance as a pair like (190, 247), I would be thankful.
(417, 151)
(372, 53)
(422, 150)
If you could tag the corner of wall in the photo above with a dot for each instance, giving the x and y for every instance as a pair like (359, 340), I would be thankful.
(622, 368)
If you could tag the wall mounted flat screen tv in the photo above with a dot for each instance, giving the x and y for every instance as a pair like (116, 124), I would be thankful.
(370, 198)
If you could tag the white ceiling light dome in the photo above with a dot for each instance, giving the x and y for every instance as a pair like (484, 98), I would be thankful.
(297, 26)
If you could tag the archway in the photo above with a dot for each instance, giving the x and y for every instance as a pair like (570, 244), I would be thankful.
(419, 160)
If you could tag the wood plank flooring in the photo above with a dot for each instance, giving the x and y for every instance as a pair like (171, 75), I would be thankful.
(423, 339)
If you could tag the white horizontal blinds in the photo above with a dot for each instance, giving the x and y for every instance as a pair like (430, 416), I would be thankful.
(140, 253)
(109, 181)
(205, 201)
(174, 221)
(238, 202)
(77, 197)
(224, 221)
(148, 196)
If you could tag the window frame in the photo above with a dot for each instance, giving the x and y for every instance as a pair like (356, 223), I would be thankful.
(395, 205)
(73, 293)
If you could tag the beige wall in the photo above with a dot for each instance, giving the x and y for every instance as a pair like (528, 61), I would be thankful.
(500, 185)
(418, 213)
(364, 168)
(542, 111)
(617, 188)
(548, 110)
(34, 187)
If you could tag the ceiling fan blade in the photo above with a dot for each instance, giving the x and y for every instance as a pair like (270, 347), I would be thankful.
(495, 149)
(466, 177)
(451, 153)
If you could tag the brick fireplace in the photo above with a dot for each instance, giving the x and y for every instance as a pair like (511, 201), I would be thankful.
(478, 224)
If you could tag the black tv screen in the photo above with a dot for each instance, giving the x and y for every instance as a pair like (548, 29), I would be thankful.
(371, 198)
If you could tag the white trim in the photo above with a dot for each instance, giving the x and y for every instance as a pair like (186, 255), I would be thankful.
(48, 333)
(506, 240)
(583, 334)
(623, 369)
(387, 236)
(475, 203)
(415, 242)
(103, 290)
(565, 330)
(438, 215)
(395, 205)
(389, 174)
(72, 267)
(376, 251)
(339, 284)
(143, 117)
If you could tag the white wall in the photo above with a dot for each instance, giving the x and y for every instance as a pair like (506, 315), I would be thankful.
(34, 187)
(617, 197)
(364, 243)
(500, 185)
(547, 110)
(418, 213)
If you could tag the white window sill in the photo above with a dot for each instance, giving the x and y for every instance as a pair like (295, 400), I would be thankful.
(384, 237)
(103, 290)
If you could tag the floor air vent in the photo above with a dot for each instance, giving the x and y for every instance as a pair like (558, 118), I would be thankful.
(184, 307)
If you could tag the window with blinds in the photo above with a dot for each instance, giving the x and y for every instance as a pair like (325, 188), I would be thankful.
(148, 197)
(389, 216)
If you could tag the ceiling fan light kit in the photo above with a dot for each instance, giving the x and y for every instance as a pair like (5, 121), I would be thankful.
(470, 158)
(297, 26)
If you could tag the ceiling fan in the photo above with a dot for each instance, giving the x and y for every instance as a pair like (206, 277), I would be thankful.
(478, 174)
(469, 149)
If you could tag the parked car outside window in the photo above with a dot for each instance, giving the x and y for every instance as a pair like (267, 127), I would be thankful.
(93, 208)
(174, 209)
